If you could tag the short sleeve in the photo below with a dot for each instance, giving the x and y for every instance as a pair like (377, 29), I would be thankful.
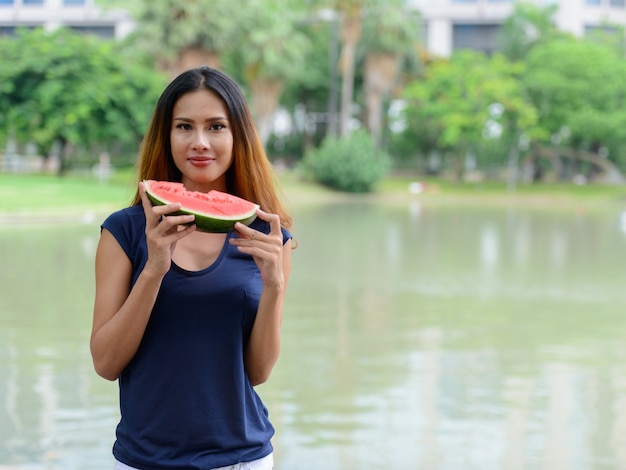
(128, 227)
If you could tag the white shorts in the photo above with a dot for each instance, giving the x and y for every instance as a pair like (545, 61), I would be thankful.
(266, 463)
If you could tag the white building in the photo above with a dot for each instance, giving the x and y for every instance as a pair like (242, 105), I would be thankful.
(80, 15)
(475, 24)
(449, 24)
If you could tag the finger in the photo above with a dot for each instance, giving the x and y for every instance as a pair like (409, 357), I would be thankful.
(246, 232)
(273, 219)
(145, 201)
(171, 222)
(174, 234)
(167, 209)
(154, 214)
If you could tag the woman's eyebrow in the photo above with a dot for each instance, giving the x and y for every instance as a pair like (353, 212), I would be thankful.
(211, 119)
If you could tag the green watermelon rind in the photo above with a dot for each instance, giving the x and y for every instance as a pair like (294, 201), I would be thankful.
(205, 222)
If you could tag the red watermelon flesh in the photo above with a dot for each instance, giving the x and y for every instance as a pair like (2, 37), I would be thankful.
(214, 211)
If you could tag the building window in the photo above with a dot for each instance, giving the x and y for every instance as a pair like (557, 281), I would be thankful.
(480, 37)
(501, 1)
(73, 2)
(6, 2)
(618, 3)
(11, 30)
(593, 2)
(105, 32)
(32, 2)
(464, 1)
(604, 30)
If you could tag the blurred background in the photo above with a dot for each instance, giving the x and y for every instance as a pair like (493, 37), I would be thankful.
(456, 173)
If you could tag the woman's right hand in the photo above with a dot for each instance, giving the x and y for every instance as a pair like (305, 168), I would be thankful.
(162, 232)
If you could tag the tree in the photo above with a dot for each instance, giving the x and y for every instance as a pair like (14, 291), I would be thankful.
(611, 35)
(184, 34)
(459, 103)
(391, 34)
(311, 96)
(261, 34)
(73, 90)
(527, 26)
(275, 50)
(350, 12)
(578, 88)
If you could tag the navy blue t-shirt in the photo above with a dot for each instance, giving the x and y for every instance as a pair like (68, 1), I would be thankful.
(185, 399)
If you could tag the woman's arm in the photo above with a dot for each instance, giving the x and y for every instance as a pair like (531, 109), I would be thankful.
(121, 313)
(274, 262)
(264, 344)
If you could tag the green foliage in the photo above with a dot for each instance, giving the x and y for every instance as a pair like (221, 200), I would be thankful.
(451, 108)
(76, 89)
(350, 164)
(390, 28)
(275, 47)
(611, 35)
(310, 84)
(547, 83)
(260, 35)
(579, 90)
(164, 29)
(527, 26)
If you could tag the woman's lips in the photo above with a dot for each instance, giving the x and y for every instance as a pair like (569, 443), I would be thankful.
(201, 161)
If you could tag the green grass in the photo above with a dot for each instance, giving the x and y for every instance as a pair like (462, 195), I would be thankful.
(498, 192)
(49, 195)
(39, 194)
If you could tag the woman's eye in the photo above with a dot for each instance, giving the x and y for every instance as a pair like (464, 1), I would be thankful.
(217, 127)
(183, 126)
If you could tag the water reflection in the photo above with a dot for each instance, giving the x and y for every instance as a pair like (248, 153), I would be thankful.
(463, 331)
(415, 336)
(47, 383)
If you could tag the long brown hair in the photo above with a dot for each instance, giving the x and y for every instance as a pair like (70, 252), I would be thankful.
(250, 175)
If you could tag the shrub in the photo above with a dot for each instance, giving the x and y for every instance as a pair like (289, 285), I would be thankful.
(350, 164)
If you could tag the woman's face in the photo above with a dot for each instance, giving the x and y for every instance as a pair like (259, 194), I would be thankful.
(201, 140)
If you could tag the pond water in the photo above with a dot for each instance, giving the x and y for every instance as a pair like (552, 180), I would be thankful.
(416, 336)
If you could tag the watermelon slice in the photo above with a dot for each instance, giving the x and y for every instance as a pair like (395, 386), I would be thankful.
(215, 211)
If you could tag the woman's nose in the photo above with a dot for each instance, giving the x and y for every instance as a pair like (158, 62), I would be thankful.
(201, 141)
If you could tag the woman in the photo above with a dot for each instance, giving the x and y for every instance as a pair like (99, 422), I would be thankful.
(189, 322)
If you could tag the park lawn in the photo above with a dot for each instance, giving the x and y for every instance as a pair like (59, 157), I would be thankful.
(35, 195)
(497, 192)
(40, 194)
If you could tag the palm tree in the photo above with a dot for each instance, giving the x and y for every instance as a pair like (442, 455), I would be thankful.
(184, 34)
(273, 52)
(391, 34)
(262, 34)
(350, 12)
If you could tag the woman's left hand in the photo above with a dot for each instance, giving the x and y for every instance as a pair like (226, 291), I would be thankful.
(266, 249)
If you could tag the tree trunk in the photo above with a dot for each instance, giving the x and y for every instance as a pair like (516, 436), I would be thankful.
(195, 57)
(609, 171)
(189, 58)
(66, 151)
(380, 74)
(265, 96)
(350, 35)
(332, 129)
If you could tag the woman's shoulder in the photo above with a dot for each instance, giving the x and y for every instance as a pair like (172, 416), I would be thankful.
(128, 227)
(128, 221)
(131, 213)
